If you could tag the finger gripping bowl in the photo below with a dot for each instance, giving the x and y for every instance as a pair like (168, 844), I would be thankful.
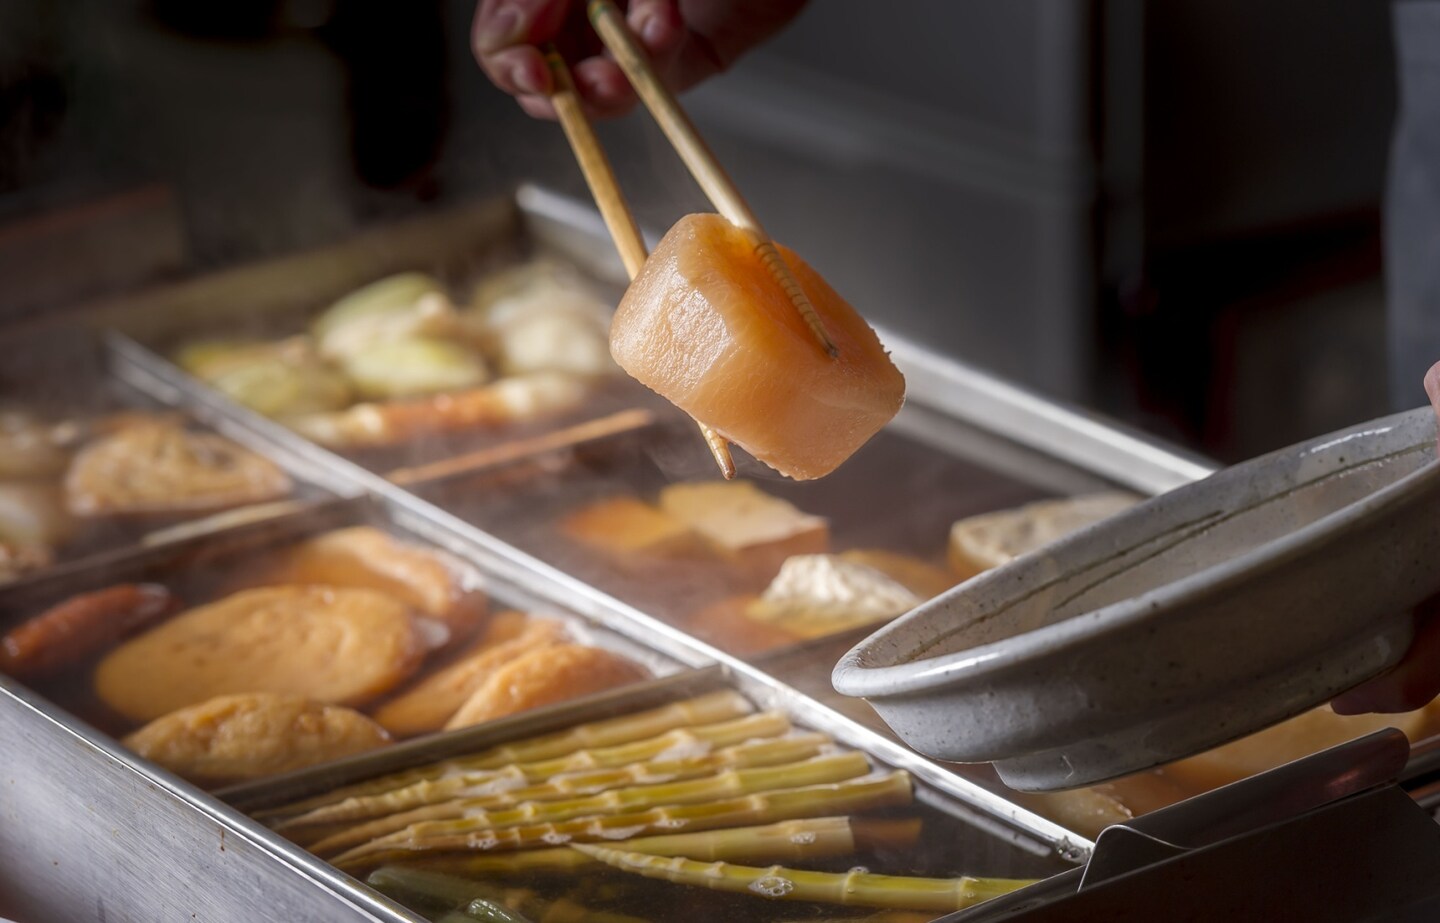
(1194, 618)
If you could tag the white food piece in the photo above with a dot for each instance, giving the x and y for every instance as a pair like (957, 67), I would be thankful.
(553, 341)
(539, 285)
(736, 515)
(398, 307)
(33, 514)
(541, 316)
(819, 594)
(979, 543)
(29, 447)
(413, 366)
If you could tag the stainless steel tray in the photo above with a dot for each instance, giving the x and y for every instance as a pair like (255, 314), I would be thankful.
(278, 298)
(204, 568)
(987, 846)
(60, 375)
(955, 417)
(89, 827)
(966, 416)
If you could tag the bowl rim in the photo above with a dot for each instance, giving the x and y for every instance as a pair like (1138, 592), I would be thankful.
(918, 675)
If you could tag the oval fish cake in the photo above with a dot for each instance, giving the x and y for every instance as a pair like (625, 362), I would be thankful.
(333, 645)
(234, 738)
(429, 703)
(156, 467)
(365, 557)
(546, 676)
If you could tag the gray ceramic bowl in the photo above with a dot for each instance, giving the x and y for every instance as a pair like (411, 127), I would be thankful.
(1191, 619)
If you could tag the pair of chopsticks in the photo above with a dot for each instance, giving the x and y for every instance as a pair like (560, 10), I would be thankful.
(609, 24)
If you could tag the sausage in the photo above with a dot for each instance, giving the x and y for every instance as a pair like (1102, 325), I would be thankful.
(82, 626)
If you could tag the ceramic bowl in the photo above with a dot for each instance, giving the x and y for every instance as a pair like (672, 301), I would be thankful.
(1193, 618)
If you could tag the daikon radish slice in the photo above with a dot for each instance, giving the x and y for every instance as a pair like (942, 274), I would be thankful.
(707, 326)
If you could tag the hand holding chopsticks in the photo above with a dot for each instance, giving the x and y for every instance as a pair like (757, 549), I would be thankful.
(680, 131)
(694, 44)
(610, 26)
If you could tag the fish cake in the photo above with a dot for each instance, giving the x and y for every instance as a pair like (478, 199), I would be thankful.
(156, 468)
(235, 738)
(544, 677)
(365, 557)
(431, 702)
(335, 645)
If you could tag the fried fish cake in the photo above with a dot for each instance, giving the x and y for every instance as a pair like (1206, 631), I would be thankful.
(363, 556)
(334, 645)
(543, 677)
(428, 704)
(158, 467)
(234, 738)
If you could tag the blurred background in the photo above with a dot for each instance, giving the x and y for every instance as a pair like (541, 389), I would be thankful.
(1167, 212)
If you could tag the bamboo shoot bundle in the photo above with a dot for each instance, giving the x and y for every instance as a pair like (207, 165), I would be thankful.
(574, 785)
(853, 795)
(715, 706)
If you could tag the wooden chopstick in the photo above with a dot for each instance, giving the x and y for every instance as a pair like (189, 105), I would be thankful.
(609, 24)
(595, 166)
(613, 208)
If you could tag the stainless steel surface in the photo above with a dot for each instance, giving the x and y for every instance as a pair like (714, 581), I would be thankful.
(143, 838)
(1328, 837)
(1421, 776)
(963, 393)
(59, 374)
(136, 364)
(1272, 797)
(89, 833)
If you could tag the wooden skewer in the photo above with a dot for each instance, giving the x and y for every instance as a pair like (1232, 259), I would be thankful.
(613, 208)
(614, 424)
(610, 25)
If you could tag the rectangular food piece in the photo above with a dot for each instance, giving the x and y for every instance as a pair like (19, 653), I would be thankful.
(745, 524)
(708, 326)
(622, 526)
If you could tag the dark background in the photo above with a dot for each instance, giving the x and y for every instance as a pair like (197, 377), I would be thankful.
(1168, 211)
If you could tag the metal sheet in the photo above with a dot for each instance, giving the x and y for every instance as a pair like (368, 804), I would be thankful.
(88, 833)
(59, 376)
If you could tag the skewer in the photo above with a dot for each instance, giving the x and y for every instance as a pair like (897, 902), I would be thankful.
(613, 208)
(621, 422)
(226, 519)
(717, 185)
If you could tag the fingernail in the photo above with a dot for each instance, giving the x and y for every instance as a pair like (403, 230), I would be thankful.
(652, 30)
(501, 30)
(1432, 382)
(523, 79)
(1346, 706)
